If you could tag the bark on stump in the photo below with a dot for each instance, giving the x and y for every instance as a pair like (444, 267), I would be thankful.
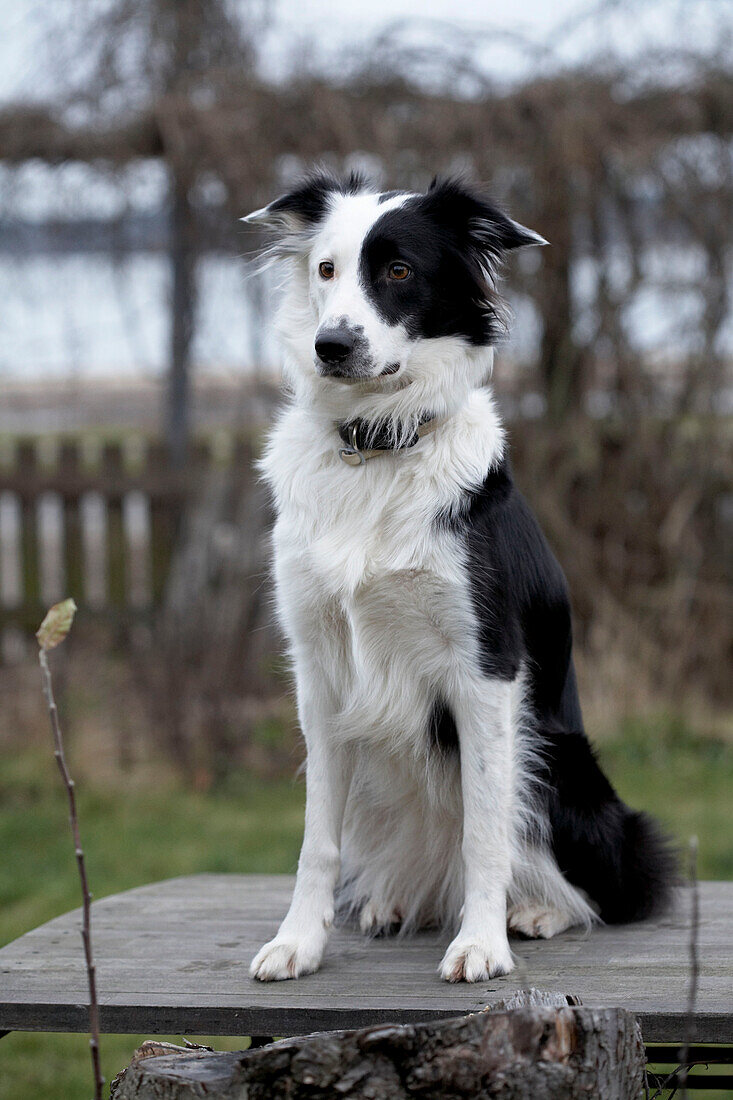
(547, 1053)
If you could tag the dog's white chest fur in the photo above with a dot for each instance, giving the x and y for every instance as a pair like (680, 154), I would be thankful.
(352, 525)
(364, 571)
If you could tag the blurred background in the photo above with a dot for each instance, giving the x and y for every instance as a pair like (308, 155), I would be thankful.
(138, 374)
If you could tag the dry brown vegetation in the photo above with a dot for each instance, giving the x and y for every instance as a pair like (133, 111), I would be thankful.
(625, 166)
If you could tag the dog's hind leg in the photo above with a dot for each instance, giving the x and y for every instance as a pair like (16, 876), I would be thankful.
(377, 918)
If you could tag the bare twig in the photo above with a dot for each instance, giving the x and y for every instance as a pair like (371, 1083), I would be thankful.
(677, 1079)
(674, 1080)
(52, 631)
(694, 965)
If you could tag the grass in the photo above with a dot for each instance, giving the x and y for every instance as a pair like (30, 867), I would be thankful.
(140, 831)
(129, 838)
(683, 779)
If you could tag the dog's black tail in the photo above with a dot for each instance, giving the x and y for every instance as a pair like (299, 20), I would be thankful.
(619, 856)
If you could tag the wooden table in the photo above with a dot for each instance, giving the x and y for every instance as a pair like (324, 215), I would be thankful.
(172, 957)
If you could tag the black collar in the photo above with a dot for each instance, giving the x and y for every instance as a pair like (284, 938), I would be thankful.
(363, 443)
(359, 434)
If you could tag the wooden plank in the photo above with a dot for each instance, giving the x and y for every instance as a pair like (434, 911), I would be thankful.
(136, 523)
(69, 466)
(29, 479)
(113, 467)
(165, 516)
(672, 1055)
(173, 957)
(11, 558)
(26, 460)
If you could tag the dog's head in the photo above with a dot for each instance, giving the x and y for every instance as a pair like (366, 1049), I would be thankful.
(383, 283)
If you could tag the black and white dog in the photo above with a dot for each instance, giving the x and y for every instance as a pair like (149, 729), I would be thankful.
(449, 780)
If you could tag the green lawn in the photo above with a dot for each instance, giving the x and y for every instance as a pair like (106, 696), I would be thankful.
(130, 838)
(137, 832)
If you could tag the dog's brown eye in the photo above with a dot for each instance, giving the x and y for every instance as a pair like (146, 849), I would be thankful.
(325, 269)
(398, 270)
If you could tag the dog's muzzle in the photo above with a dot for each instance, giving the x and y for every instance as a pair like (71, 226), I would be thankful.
(341, 353)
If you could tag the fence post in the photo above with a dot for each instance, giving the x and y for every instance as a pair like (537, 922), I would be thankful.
(69, 480)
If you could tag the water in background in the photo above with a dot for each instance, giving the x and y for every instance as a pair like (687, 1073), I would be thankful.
(91, 314)
(84, 314)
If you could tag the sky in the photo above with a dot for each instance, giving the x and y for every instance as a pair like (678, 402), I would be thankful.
(30, 26)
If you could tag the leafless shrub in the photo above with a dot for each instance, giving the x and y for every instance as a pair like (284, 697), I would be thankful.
(635, 513)
(212, 672)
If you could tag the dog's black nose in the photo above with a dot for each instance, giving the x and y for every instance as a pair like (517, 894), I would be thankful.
(334, 345)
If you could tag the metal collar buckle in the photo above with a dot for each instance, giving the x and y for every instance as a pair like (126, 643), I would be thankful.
(352, 456)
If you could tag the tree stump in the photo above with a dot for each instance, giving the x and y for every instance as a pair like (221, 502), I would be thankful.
(536, 1050)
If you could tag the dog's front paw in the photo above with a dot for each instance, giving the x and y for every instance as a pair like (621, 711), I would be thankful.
(285, 957)
(470, 959)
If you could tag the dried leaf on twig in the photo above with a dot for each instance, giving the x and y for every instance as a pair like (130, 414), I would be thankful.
(56, 624)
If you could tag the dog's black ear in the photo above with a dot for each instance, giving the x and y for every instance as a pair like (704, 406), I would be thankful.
(473, 217)
(305, 205)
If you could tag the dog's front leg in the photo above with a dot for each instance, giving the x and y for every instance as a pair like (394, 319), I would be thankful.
(484, 718)
(301, 939)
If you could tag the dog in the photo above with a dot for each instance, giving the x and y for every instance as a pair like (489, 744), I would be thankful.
(449, 781)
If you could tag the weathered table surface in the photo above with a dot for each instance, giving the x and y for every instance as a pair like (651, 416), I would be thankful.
(172, 958)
